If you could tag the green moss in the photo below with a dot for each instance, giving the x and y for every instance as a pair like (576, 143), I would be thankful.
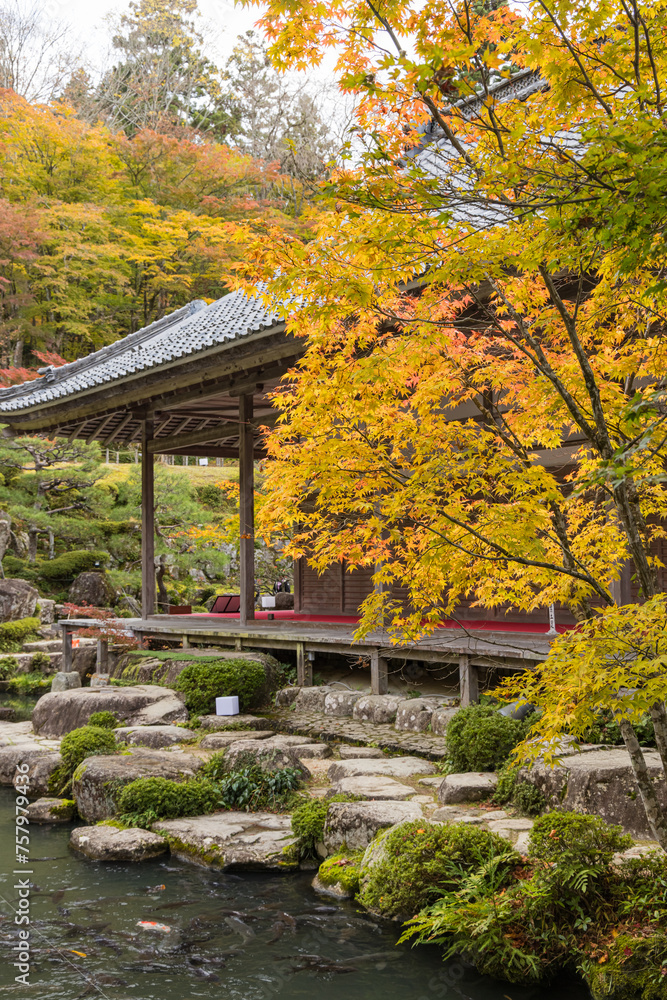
(343, 869)
(421, 861)
(203, 681)
(479, 738)
(212, 855)
(635, 968)
(66, 808)
(308, 821)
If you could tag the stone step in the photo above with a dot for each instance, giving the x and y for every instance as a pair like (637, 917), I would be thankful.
(43, 646)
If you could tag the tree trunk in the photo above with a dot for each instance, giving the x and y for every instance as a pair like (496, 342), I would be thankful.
(656, 818)
(659, 719)
(18, 354)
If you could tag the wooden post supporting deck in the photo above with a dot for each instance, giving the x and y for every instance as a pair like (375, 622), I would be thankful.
(468, 682)
(147, 521)
(304, 667)
(379, 674)
(67, 649)
(102, 656)
(246, 508)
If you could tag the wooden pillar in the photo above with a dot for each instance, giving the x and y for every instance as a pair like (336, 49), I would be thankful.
(379, 674)
(102, 656)
(67, 649)
(147, 521)
(468, 682)
(246, 508)
(304, 667)
(186, 642)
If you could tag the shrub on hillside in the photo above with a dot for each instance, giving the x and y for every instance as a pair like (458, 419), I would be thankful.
(205, 680)
(421, 861)
(70, 564)
(14, 634)
(478, 738)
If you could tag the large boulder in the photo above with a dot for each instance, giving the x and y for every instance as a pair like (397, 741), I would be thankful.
(354, 824)
(46, 611)
(92, 588)
(41, 758)
(341, 703)
(108, 843)
(312, 699)
(376, 708)
(393, 767)
(18, 599)
(441, 719)
(600, 782)
(143, 705)
(5, 532)
(286, 696)
(414, 714)
(98, 780)
(232, 840)
(268, 755)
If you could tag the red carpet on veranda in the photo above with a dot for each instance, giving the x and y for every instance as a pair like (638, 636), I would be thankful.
(479, 623)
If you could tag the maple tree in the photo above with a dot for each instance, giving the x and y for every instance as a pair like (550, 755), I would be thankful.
(480, 412)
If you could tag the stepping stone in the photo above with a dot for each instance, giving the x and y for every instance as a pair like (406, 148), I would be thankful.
(356, 823)
(500, 825)
(51, 810)
(312, 751)
(156, 737)
(434, 781)
(469, 787)
(219, 741)
(395, 767)
(372, 787)
(231, 721)
(424, 800)
(108, 843)
(232, 840)
(360, 753)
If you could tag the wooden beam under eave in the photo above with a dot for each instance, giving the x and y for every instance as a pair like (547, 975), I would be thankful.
(246, 432)
(147, 520)
(215, 432)
(127, 419)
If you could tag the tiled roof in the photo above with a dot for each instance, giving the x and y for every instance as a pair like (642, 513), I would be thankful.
(187, 331)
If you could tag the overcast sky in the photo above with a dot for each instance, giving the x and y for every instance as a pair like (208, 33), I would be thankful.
(221, 22)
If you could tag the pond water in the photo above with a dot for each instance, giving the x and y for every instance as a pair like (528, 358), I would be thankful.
(245, 936)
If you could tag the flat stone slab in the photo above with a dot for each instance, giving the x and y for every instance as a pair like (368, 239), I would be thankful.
(230, 840)
(312, 751)
(600, 782)
(221, 740)
(60, 712)
(356, 823)
(394, 767)
(230, 721)
(98, 780)
(518, 825)
(372, 787)
(156, 737)
(361, 753)
(51, 810)
(108, 843)
(469, 787)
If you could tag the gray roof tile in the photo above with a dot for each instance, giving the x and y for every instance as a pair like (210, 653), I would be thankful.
(187, 331)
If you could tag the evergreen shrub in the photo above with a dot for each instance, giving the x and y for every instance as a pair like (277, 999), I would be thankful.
(88, 741)
(202, 681)
(40, 661)
(421, 861)
(14, 634)
(104, 720)
(142, 802)
(9, 666)
(70, 564)
(478, 738)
